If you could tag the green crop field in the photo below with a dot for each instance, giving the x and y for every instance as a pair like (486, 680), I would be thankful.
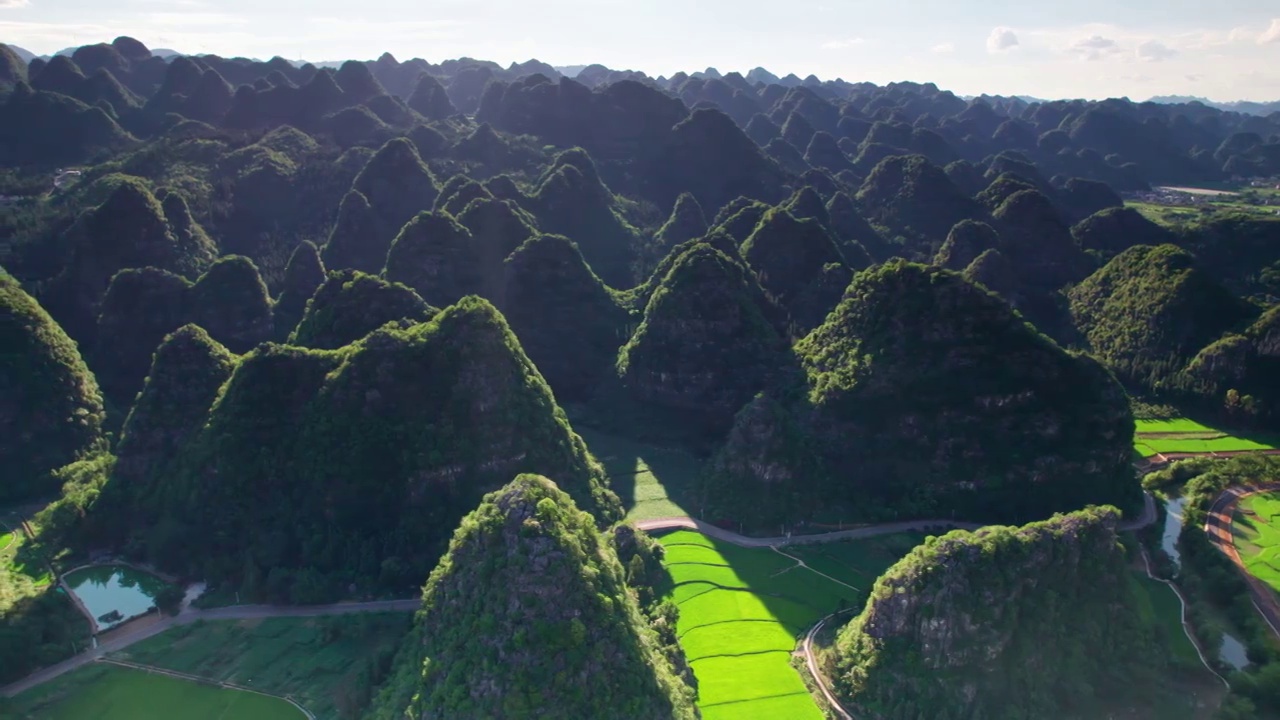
(1257, 534)
(743, 610)
(653, 482)
(107, 692)
(1187, 436)
(1177, 216)
(325, 664)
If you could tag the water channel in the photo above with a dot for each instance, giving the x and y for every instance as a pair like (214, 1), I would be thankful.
(1233, 651)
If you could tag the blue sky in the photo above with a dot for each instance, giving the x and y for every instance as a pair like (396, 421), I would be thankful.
(1224, 50)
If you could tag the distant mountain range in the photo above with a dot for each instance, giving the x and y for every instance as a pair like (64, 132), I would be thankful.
(761, 75)
(26, 55)
(1240, 106)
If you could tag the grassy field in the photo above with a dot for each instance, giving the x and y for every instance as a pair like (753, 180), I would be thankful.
(1183, 435)
(107, 692)
(652, 482)
(742, 611)
(325, 664)
(1160, 606)
(1257, 534)
(22, 573)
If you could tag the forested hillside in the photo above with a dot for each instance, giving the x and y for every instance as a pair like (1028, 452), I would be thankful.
(288, 328)
(532, 601)
(1063, 639)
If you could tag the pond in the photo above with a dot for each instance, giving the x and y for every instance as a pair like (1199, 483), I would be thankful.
(114, 593)
(1233, 652)
(1173, 528)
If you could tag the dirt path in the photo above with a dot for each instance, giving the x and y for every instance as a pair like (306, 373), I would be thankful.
(130, 633)
(812, 664)
(1218, 527)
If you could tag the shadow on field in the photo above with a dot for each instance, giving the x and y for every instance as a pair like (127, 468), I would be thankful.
(662, 479)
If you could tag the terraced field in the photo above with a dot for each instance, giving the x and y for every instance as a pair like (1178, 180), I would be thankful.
(742, 611)
(1257, 536)
(1187, 436)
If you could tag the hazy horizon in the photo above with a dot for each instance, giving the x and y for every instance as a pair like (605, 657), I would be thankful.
(1088, 49)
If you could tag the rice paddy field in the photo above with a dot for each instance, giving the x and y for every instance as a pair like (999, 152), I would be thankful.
(743, 610)
(1256, 528)
(109, 692)
(1181, 435)
(653, 482)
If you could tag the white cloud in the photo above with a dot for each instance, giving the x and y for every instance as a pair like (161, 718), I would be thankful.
(1094, 47)
(842, 44)
(1154, 51)
(1001, 39)
(943, 48)
(13, 4)
(1272, 34)
(1095, 42)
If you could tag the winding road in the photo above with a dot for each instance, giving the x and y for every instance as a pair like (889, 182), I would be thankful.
(1217, 526)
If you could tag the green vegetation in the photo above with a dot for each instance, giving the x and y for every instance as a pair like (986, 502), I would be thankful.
(529, 613)
(1180, 435)
(350, 304)
(328, 665)
(1192, 216)
(568, 321)
(38, 623)
(1163, 609)
(106, 692)
(1067, 637)
(714, 271)
(1149, 310)
(1217, 595)
(50, 408)
(573, 201)
(186, 374)
(1257, 538)
(706, 346)
(142, 306)
(742, 611)
(319, 469)
(927, 396)
(652, 482)
(798, 263)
